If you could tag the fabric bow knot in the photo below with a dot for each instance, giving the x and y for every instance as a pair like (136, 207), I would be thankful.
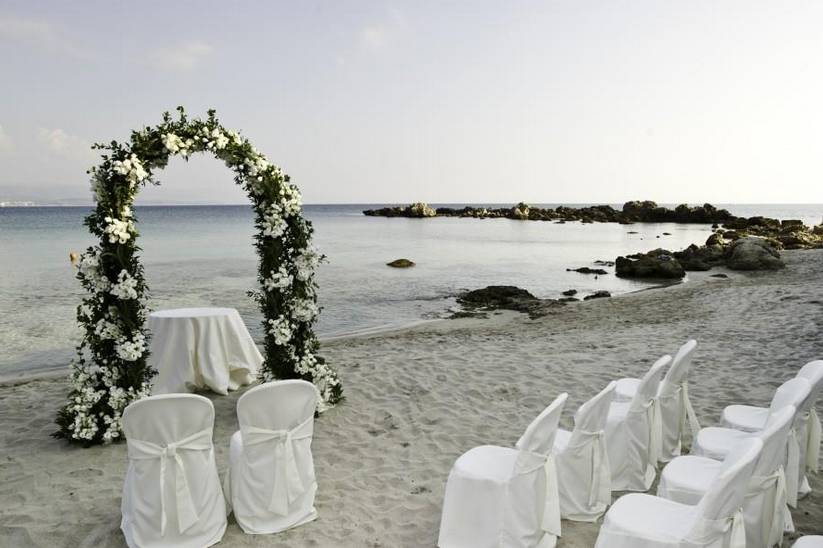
(600, 489)
(813, 436)
(288, 484)
(774, 521)
(146, 450)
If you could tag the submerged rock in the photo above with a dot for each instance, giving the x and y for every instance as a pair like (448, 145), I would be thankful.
(401, 263)
(587, 270)
(570, 292)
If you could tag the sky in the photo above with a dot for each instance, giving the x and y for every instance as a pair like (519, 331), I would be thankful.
(444, 102)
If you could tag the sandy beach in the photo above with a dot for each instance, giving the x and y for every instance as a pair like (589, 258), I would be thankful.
(419, 397)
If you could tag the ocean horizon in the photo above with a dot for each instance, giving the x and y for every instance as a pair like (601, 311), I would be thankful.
(202, 255)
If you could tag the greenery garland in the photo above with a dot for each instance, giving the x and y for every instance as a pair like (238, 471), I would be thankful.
(111, 369)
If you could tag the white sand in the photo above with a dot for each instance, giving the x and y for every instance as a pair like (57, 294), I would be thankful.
(418, 398)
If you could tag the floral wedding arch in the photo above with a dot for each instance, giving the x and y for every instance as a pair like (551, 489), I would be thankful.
(111, 368)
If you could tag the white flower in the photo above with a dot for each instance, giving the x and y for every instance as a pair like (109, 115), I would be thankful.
(126, 286)
(273, 223)
(173, 143)
(131, 168)
(131, 350)
(281, 329)
(306, 263)
(278, 280)
(118, 231)
(304, 310)
(107, 330)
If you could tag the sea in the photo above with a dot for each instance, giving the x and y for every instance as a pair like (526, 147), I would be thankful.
(203, 256)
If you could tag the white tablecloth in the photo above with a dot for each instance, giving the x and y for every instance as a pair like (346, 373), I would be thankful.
(195, 348)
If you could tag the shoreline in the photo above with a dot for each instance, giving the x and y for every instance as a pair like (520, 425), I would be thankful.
(417, 398)
(368, 332)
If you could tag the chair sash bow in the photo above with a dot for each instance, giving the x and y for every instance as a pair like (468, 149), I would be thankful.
(706, 531)
(600, 488)
(531, 461)
(146, 450)
(813, 441)
(792, 468)
(687, 413)
(288, 483)
(773, 520)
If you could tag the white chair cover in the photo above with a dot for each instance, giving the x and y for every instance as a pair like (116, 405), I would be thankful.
(171, 495)
(809, 541)
(751, 419)
(633, 434)
(676, 411)
(715, 442)
(584, 475)
(271, 483)
(687, 479)
(499, 497)
(808, 425)
(645, 521)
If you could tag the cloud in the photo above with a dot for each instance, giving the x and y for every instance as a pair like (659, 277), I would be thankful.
(63, 144)
(374, 36)
(6, 144)
(181, 57)
(40, 35)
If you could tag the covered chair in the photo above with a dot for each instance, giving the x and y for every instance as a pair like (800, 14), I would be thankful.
(645, 521)
(270, 483)
(809, 541)
(171, 496)
(687, 479)
(676, 411)
(497, 497)
(715, 442)
(750, 419)
(583, 473)
(633, 434)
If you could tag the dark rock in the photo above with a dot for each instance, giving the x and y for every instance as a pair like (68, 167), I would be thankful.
(570, 292)
(569, 300)
(401, 263)
(752, 253)
(654, 264)
(719, 275)
(604, 263)
(597, 295)
(667, 234)
(587, 270)
(632, 232)
(715, 239)
(496, 296)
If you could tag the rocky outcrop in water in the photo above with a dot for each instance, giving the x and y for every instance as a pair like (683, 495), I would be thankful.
(507, 297)
(788, 234)
(636, 211)
(401, 263)
(659, 263)
(735, 252)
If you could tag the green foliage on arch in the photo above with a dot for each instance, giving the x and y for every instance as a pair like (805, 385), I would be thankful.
(111, 368)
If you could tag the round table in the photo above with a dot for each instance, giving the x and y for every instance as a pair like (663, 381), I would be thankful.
(196, 348)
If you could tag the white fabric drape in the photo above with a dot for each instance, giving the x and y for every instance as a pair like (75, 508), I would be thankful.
(809, 541)
(288, 483)
(500, 497)
(645, 521)
(146, 450)
(813, 443)
(584, 462)
(197, 348)
(171, 493)
(271, 482)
